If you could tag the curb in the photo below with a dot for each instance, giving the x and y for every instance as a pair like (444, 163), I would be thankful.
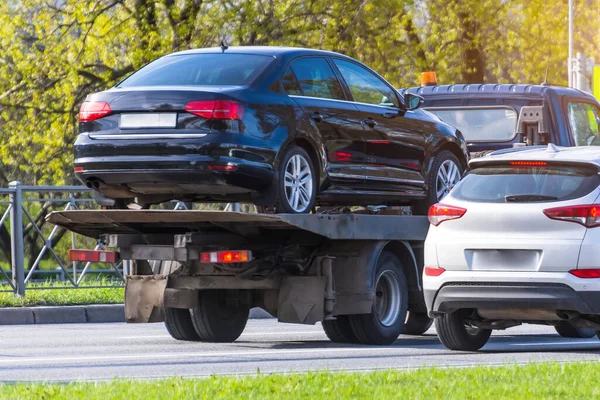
(78, 314)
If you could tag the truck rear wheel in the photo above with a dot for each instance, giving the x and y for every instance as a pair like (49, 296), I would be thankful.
(179, 324)
(339, 330)
(218, 320)
(417, 323)
(386, 321)
(456, 335)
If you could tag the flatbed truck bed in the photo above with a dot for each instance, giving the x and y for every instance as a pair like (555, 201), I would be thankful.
(201, 271)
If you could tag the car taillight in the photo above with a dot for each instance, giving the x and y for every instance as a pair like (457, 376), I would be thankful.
(586, 273)
(92, 110)
(439, 213)
(216, 109)
(586, 215)
(434, 271)
(226, 257)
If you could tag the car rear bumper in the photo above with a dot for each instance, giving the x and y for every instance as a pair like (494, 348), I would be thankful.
(511, 296)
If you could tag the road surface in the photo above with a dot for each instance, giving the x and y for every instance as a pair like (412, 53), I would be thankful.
(118, 350)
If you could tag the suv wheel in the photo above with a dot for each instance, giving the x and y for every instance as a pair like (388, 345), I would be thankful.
(456, 334)
(297, 189)
(567, 330)
(446, 172)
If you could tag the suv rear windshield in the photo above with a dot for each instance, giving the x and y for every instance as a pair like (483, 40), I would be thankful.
(526, 184)
(483, 124)
(199, 70)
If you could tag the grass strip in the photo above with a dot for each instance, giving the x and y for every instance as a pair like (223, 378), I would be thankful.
(532, 381)
(50, 294)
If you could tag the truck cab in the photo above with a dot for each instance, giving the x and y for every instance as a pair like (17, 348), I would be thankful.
(499, 116)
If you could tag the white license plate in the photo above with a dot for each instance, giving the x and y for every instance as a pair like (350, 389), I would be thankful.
(148, 120)
(504, 260)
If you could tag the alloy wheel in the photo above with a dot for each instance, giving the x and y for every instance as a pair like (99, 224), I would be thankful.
(298, 183)
(447, 177)
(387, 298)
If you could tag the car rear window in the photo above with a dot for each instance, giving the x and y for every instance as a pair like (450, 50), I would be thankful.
(527, 184)
(199, 70)
(480, 124)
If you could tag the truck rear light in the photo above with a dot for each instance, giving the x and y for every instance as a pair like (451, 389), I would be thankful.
(99, 256)
(434, 271)
(216, 109)
(226, 257)
(439, 213)
(586, 215)
(586, 273)
(92, 110)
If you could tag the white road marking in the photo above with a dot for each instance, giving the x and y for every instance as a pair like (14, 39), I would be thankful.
(243, 334)
(554, 343)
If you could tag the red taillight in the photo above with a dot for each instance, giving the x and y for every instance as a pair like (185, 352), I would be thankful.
(99, 256)
(78, 169)
(226, 257)
(92, 110)
(439, 213)
(216, 109)
(586, 273)
(342, 156)
(528, 163)
(228, 168)
(434, 271)
(586, 215)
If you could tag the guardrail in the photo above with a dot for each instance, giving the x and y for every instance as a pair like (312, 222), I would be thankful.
(31, 236)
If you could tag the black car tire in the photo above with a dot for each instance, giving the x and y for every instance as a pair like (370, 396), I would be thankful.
(440, 160)
(283, 203)
(456, 335)
(215, 320)
(417, 323)
(369, 328)
(339, 330)
(567, 330)
(178, 322)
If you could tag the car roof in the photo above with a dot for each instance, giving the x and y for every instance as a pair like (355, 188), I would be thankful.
(272, 51)
(586, 155)
(495, 90)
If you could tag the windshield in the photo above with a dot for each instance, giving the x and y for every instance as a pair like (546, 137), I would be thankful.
(481, 124)
(584, 120)
(527, 184)
(199, 70)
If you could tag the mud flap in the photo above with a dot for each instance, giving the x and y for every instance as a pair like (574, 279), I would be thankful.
(302, 300)
(144, 298)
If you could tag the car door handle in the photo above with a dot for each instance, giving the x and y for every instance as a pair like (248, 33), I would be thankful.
(316, 116)
(370, 122)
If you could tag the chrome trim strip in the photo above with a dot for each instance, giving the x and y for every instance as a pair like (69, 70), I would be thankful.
(134, 136)
(294, 96)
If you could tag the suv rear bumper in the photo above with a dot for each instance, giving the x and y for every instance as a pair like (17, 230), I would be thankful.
(499, 296)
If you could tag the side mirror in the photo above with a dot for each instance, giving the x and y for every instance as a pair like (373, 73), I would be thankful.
(413, 101)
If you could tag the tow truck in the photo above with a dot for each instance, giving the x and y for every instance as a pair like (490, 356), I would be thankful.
(200, 272)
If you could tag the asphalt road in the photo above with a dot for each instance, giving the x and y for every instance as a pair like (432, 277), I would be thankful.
(117, 350)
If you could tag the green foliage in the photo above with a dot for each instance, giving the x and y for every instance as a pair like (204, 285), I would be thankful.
(54, 53)
(533, 381)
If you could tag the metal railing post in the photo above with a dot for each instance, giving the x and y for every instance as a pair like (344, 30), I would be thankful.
(16, 238)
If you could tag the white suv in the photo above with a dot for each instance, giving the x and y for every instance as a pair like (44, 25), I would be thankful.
(517, 241)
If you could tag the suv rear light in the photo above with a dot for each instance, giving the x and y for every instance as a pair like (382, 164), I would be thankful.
(434, 271)
(92, 110)
(528, 163)
(226, 257)
(439, 213)
(586, 215)
(586, 273)
(216, 109)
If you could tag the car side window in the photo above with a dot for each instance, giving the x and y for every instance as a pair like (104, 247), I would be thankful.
(584, 119)
(316, 78)
(365, 86)
(290, 83)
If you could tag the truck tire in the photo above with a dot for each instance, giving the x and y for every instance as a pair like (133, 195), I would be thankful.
(455, 335)
(178, 322)
(567, 330)
(417, 323)
(217, 321)
(339, 330)
(386, 321)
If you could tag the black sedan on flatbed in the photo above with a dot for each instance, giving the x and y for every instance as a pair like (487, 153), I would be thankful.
(282, 127)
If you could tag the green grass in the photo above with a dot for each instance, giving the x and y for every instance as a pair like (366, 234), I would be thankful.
(51, 295)
(533, 381)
